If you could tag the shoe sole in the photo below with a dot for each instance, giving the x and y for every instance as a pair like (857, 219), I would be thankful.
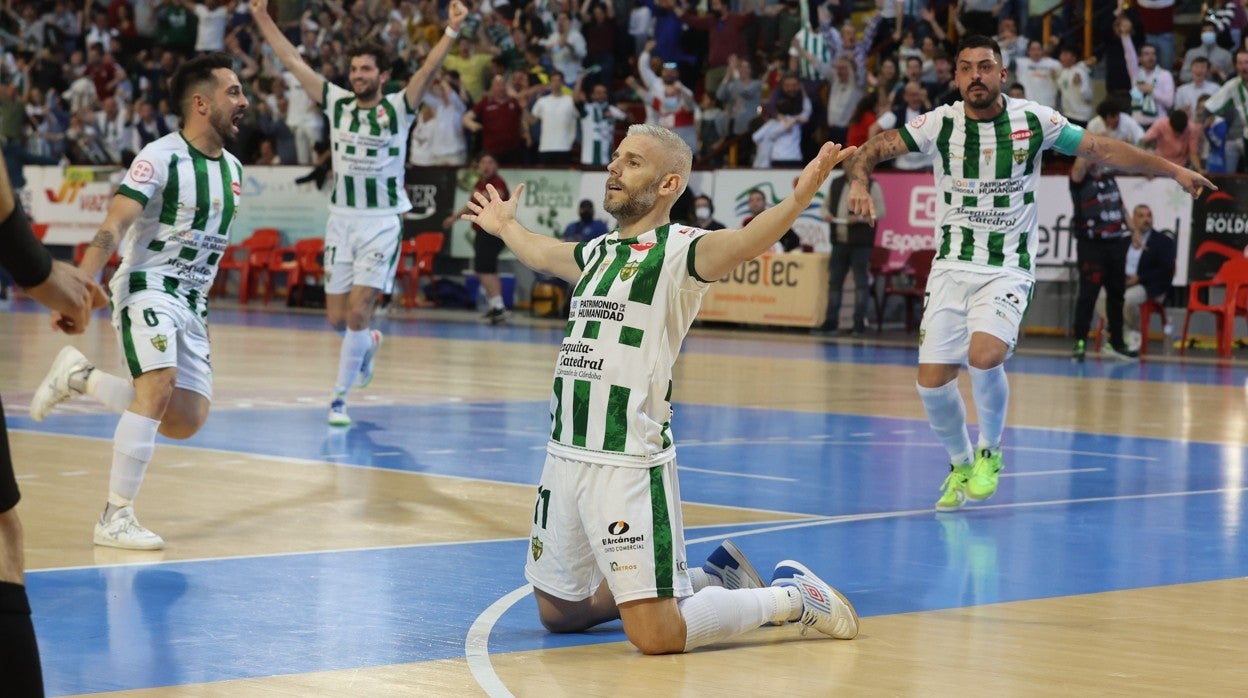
(66, 358)
(343, 422)
(110, 543)
(806, 571)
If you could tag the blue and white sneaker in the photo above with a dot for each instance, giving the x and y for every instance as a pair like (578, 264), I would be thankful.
(823, 608)
(366, 368)
(728, 564)
(338, 413)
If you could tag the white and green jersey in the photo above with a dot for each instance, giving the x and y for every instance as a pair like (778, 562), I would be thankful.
(598, 131)
(189, 203)
(630, 311)
(369, 151)
(986, 176)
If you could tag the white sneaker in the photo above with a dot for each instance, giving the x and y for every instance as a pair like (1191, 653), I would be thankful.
(338, 416)
(366, 368)
(823, 608)
(55, 387)
(125, 531)
(730, 566)
(1134, 339)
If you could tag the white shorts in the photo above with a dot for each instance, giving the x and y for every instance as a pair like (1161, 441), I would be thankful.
(361, 251)
(960, 302)
(595, 522)
(158, 330)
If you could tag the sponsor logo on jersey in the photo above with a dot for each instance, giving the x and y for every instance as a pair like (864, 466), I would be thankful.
(237, 188)
(641, 246)
(618, 528)
(1021, 134)
(617, 567)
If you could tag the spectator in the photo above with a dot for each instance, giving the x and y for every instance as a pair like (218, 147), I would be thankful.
(1153, 93)
(420, 145)
(862, 121)
(100, 32)
(669, 103)
(486, 247)
(1229, 19)
(303, 118)
(756, 203)
(728, 37)
(1012, 45)
(112, 124)
(471, 62)
(1214, 130)
(210, 27)
(779, 140)
(740, 94)
(712, 131)
(1074, 83)
(853, 238)
(1176, 139)
(498, 117)
(585, 227)
(1186, 97)
(844, 92)
(146, 127)
(943, 89)
(176, 28)
(979, 17)
(1038, 74)
(640, 25)
(1219, 61)
(1232, 99)
(1149, 271)
(598, 119)
(557, 112)
(704, 213)
(1157, 19)
(1101, 249)
(267, 155)
(913, 104)
(567, 48)
(1118, 78)
(446, 100)
(1113, 122)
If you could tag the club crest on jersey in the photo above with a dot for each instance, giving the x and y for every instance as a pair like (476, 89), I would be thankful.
(535, 547)
(629, 271)
(161, 342)
(1019, 156)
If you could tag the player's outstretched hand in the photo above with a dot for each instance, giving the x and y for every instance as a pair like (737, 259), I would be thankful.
(71, 295)
(491, 211)
(1194, 183)
(816, 173)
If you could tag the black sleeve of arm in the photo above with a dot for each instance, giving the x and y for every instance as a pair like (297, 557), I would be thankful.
(21, 254)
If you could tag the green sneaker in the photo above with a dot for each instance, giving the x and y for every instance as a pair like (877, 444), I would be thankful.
(1081, 349)
(955, 488)
(983, 480)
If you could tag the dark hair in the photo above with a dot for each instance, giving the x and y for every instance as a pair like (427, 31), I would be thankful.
(1108, 108)
(864, 105)
(709, 203)
(371, 47)
(1200, 59)
(192, 75)
(1178, 120)
(980, 41)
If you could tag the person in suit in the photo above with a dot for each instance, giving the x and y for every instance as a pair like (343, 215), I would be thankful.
(1149, 271)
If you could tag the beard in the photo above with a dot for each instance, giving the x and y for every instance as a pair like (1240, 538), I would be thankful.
(985, 99)
(636, 203)
(370, 91)
(222, 121)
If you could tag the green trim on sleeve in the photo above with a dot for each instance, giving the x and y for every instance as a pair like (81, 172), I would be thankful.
(690, 260)
(1069, 139)
(130, 193)
(905, 136)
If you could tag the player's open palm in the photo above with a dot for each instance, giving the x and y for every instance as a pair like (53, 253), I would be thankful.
(491, 211)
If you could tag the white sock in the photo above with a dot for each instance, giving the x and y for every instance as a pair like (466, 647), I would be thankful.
(496, 303)
(355, 345)
(946, 412)
(716, 614)
(702, 580)
(114, 391)
(134, 442)
(992, 396)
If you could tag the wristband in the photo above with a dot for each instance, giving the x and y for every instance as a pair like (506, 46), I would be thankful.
(21, 254)
(451, 32)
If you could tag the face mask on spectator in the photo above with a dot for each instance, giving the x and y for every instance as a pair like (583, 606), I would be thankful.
(702, 213)
(1207, 38)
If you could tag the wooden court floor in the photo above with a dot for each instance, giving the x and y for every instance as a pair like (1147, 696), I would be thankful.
(386, 560)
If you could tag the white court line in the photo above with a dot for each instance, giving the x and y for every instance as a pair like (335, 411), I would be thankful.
(687, 469)
(810, 441)
(1054, 472)
(476, 645)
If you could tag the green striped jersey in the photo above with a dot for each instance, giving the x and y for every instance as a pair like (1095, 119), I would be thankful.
(598, 131)
(630, 311)
(189, 203)
(369, 151)
(986, 177)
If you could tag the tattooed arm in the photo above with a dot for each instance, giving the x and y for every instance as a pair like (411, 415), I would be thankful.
(882, 146)
(1127, 158)
(122, 213)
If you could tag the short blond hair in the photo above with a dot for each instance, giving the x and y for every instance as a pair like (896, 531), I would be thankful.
(679, 156)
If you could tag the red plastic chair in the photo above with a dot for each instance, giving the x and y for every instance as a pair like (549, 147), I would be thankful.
(910, 283)
(1150, 308)
(106, 273)
(1232, 280)
(416, 260)
(296, 263)
(249, 258)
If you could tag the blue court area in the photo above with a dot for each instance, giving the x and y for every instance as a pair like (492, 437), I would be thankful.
(1079, 513)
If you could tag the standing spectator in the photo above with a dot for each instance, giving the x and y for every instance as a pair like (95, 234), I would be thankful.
(486, 247)
(100, 32)
(1101, 239)
(303, 118)
(113, 123)
(1012, 45)
(979, 16)
(669, 103)
(740, 94)
(727, 30)
(471, 62)
(862, 121)
(420, 149)
(1229, 18)
(1118, 79)
(446, 101)
(1214, 131)
(267, 156)
(1218, 61)
(1189, 93)
(499, 118)
(1038, 74)
(104, 72)
(210, 29)
(556, 110)
(1231, 100)
(1153, 93)
(779, 140)
(1074, 83)
(585, 227)
(598, 119)
(599, 29)
(712, 131)
(1175, 138)
(1157, 19)
(567, 48)
(853, 238)
(912, 105)
(176, 27)
(640, 25)
(944, 88)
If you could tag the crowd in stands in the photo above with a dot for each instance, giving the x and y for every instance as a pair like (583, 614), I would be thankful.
(551, 82)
